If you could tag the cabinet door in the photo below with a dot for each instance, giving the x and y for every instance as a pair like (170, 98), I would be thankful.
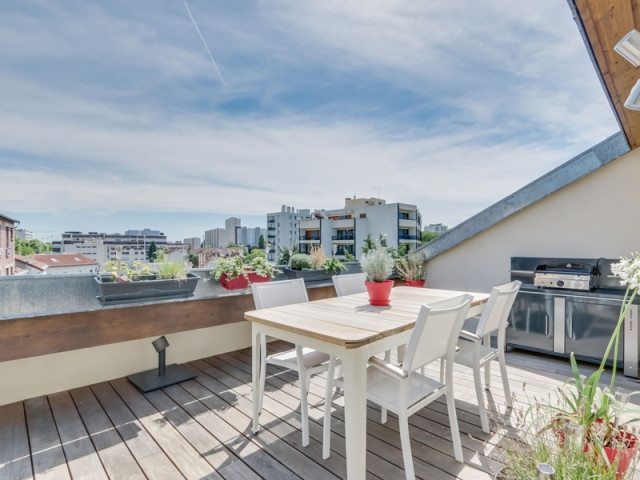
(531, 321)
(589, 324)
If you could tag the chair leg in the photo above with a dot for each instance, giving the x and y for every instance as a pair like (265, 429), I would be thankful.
(304, 408)
(383, 415)
(405, 441)
(505, 380)
(453, 423)
(263, 369)
(484, 421)
(326, 425)
(487, 366)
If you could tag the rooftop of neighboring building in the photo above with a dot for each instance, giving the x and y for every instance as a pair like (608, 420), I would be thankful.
(63, 259)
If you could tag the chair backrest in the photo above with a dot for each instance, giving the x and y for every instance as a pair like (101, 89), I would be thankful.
(495, 313)
(282, 292)
(436, 332)
(349, 284)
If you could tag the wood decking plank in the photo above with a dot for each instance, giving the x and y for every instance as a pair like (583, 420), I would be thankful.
(152, 460)
(210, 411)
(47, 454)
(82, 459)
(111, 448)
(295, 460)
(181, 453)
(15, 457)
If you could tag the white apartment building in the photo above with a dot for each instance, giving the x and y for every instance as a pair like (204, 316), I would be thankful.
(436, 228)
(344, 230)
(102, 247)
(283, 229)
(250, 235)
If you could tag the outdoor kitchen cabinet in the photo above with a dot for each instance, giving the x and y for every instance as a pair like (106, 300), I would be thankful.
(562, 320)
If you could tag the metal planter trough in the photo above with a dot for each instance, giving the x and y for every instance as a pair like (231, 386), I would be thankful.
(310, 275)
(148, 288)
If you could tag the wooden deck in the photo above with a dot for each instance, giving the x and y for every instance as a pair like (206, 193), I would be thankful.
(201, 428)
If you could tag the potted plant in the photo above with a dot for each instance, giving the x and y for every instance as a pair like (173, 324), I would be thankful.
(378, 264)
(412, 269)
(120, 282)
(313, 267)
(586, 435)
(240, 271)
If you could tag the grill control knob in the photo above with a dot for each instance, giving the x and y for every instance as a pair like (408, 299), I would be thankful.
(560, 283)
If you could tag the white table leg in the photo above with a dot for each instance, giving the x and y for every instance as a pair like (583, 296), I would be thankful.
(255, 376)
(354, 364)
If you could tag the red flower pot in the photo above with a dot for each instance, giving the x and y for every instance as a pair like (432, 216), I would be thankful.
(379, 292)
(241, 282)
(415, 283)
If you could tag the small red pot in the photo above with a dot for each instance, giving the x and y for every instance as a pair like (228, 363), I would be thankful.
(414, 283)
(379, 292)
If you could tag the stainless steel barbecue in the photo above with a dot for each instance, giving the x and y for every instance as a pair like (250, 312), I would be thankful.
(570, 305)
(572, 276)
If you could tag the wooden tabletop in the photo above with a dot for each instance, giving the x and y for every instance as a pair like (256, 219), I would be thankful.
(351, 321)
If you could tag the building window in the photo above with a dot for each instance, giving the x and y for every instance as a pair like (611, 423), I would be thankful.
(363, 215)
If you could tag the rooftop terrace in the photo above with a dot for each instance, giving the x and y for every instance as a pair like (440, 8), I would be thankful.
(201, 428)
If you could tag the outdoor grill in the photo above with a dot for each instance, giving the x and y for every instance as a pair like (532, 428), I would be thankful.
(571, 305)
(573, 276)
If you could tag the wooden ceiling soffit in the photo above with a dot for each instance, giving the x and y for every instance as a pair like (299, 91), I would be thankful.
(605, 22)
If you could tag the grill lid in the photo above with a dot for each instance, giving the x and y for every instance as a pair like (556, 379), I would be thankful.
(576, 276)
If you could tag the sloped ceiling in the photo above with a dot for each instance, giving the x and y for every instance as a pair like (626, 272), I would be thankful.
(604, 23)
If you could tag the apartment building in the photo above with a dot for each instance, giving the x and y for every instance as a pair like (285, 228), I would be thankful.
(7, 245)
(436, 228)
(344, 230)
(102, 247)
(283, 229)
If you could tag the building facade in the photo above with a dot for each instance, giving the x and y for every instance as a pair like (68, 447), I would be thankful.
(344, 230)
(283, 229)
(101, 247)
(7, 246)
(436, 228)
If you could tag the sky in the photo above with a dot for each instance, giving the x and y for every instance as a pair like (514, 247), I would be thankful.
(176, 114)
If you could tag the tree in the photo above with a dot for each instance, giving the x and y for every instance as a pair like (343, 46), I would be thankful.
(193, 258)
(261, 243)
(151, 255)
(428, 236)
(31, 247)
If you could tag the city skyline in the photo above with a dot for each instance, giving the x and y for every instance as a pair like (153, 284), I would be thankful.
(124, 115)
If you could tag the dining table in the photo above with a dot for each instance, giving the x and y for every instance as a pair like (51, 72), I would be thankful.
(351, 329)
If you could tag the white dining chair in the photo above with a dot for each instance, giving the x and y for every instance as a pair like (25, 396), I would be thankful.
(403, 390)
(305, 361)
(349, 284)
(475, 354)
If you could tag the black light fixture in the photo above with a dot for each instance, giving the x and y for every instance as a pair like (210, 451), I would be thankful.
(165, 375)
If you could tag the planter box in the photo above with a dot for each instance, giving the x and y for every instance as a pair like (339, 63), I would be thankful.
(241, 282)
(310, 276)
(147, 288)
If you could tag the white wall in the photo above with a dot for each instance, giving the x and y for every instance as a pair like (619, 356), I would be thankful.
(597, 216)
(45, 374)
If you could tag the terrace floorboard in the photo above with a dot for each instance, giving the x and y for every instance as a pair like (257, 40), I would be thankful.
(202, 428)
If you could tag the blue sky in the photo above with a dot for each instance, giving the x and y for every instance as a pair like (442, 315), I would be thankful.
(114, 117)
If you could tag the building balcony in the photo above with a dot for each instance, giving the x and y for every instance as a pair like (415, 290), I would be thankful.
(411, 238)
(343, 223)
(310, 224)
(407, 223)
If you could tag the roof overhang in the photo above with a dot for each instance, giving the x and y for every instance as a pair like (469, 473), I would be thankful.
(602, 24)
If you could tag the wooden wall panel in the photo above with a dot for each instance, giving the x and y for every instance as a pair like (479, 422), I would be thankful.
(46, 334)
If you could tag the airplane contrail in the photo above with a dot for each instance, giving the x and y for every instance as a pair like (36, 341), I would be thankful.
(203, 41)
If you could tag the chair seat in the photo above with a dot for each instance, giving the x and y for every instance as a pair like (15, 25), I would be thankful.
(288, 359)
(464, 355)
(420, 387)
